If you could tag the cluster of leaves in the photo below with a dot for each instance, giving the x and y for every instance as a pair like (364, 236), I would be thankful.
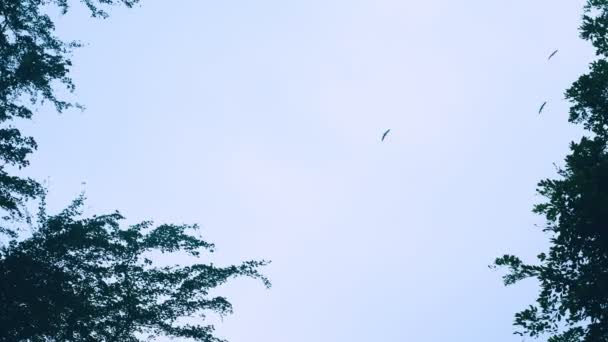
(33, 63)
(573, 274)
(88, 279)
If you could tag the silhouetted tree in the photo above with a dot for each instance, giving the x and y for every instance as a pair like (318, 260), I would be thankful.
(85, 279)
(573, 274)
(33, 63)
(88, 279)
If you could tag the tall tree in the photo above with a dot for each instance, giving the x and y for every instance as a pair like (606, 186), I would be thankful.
(89, 279)
(573, 273)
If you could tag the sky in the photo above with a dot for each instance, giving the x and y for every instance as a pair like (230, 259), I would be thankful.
(261, 121)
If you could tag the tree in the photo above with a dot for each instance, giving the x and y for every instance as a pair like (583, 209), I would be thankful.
(88, 279)
(573, 274)
(75, 278)
(33, 63)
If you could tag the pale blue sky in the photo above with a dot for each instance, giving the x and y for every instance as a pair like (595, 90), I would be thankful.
(261, 121)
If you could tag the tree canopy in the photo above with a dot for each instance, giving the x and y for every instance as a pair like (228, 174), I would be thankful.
(86, 278)
(89, 279)
(573, 273)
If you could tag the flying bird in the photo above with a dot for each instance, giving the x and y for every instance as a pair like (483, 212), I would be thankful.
(384, 135)
(552, 54)
(542, 107)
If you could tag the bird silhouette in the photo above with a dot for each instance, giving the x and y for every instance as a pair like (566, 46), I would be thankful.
(384, 135)
(552, 54)
(542, 107)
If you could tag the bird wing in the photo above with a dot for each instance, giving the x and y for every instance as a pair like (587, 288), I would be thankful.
(385, 133)
(542, 106)
(552, 54)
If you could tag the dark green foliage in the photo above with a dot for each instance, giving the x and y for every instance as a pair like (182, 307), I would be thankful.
(595, 25)
(573, 274)
(88, 279)
(33, 63)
